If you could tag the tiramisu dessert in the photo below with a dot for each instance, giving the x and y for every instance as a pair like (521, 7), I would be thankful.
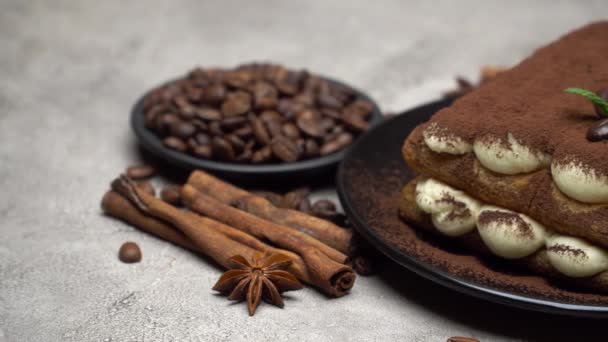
(518, 168)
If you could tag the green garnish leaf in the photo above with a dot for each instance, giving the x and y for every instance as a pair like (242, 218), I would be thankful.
(591, 96)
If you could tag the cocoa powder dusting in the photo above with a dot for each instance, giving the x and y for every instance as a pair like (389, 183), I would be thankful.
(460, 210)
(564, 249)
(528, 101)
(374, 191)
(522, 227)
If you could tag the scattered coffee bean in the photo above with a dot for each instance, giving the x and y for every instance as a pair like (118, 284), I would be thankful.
(129, 253)
(323, 205)
(292, 199)
(598, 131)
(462, 339)
(140, 171)
(259, 113)
(363, 265)
(172, 194)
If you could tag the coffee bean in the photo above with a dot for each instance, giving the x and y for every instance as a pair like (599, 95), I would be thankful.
(183, 129)
(214, 94)
(233, 122)
(245, 156)
(265, 96)
(363, 265)
(146, 187)
(172, 194)
(165, 122)
(202, 138)
(200, 125)
(292, 199)
(260, 132)
(599, 110)
(288, 82)
(309, 122)
(129, 253)
(363, 107)
(215, 128)
(332, 113)
(237, 143)
(323, 205)
(152, 114)
(261, 155)
(327, 124)
(462, 339)
(175, 144)
(290, 130)
(311, 148)
(194, 94)
(208, 114)
(141, 171)
(304, 206)
(274, 127)
(336, 144)
(222, 149)
(285, 149)
(352, 118)
(329, 101)
(203, 151)
(305, 99)
(244, 132)
(238, 79)
(598, 131)
(181, 102)
(237, 103)
(270, 115)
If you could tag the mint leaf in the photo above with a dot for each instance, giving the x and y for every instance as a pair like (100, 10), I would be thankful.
(591, 96)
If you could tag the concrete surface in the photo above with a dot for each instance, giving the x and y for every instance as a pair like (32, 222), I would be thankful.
(69, 72)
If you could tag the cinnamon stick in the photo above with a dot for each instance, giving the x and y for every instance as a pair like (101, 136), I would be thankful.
(323, 230)
(280, 235)
(215, 239)
(115, 205)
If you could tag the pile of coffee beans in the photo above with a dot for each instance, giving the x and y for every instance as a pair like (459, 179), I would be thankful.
(256, 113)
(299, 199)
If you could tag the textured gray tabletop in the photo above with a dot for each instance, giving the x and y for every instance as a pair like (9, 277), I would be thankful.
(69, 72)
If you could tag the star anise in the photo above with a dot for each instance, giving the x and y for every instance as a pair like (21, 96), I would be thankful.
(265, 277)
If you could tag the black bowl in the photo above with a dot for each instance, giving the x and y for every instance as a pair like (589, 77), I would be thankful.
(309, 170)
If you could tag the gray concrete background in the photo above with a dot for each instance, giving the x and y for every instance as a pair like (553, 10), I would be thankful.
(69, 72)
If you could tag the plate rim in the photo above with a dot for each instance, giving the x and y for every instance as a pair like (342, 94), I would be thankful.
(490, 294)
(154, 144)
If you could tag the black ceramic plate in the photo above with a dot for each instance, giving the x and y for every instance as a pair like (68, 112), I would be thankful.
(308, 170)
(369, 180)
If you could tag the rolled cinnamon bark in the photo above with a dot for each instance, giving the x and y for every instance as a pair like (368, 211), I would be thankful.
(280, 235)
(323, 230)
(217, 240)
